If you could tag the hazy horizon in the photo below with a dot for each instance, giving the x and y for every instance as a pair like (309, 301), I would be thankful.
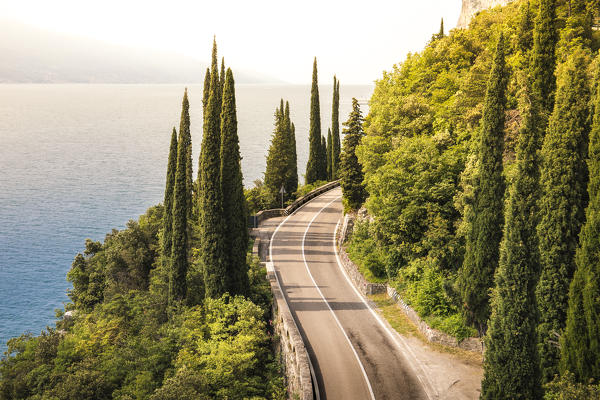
(268, 41)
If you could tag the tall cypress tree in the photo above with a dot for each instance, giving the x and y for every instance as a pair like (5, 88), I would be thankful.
(441, 33)
(525, 34)
(351, 173)
(184, 132)
(335, 128)
(314, 166)
(179, 253)
(291, 180)
(167, 234)
(212, 250)
(543, 60)
(222, 76)
(483, 240)
(329, 151)
(323, 157)
(206, 92)
(580, 344)
(234, 203)
(511, 365)
(564, 197)
(293, 159)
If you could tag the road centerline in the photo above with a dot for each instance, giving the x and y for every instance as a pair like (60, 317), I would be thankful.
(327, 303)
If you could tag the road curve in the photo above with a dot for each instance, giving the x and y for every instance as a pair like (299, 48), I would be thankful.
(353, 354)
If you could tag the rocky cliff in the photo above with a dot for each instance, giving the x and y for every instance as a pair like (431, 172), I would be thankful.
(472, 7)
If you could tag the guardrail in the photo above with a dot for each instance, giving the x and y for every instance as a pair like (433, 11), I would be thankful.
(280, 212)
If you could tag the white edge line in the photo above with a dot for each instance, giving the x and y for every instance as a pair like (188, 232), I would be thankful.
(326, 302)
(310, 365)
(395, 338)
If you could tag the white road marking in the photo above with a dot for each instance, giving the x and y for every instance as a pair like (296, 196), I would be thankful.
(399, 340)
(326, 302)
(310, 365)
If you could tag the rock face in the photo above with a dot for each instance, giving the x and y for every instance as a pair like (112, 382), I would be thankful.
(472, 7)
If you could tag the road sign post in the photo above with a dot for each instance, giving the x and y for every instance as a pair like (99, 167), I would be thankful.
(282, 191)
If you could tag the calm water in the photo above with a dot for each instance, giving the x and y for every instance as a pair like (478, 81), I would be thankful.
(79, 160)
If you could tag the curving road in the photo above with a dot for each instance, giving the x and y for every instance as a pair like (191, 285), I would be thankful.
(353, 353)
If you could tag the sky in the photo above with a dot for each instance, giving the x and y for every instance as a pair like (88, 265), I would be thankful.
(356, 40)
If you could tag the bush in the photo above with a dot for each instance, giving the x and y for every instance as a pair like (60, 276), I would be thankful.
(366, 254)
(426, 288)
(566, 388)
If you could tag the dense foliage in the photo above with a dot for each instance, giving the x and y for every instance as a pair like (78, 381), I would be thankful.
(117, 342)
(424, 170)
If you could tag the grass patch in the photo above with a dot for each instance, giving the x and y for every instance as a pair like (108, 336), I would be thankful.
(404, 326)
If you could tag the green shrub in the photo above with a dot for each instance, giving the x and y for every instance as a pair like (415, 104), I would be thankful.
(426, 288)
(566, 388)
(364, 251)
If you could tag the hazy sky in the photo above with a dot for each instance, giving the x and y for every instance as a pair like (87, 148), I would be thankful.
(354, 39)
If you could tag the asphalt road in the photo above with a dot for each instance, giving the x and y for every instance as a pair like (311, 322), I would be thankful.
(354, 355)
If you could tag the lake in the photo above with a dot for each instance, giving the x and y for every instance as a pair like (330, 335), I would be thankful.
(77, 160)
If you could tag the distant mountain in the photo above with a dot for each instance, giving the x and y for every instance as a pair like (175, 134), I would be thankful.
(471, 7)
(32, 55)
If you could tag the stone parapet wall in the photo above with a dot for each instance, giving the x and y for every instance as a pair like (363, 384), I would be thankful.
(291, 347)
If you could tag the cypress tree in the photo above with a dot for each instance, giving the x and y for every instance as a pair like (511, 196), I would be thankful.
(329, 152)
(184, 132)
(222, 76)
(564, 197)
(351, 173)
(291, 180)
(543, 60)
(167, 234)
(206, 92)
(277, 158)
(441, 33)
(323, 157)
(234, 203)
(335, 128)
(580, 344)
(483, 240)
(314, 167)
(179, 253)
(511, 365)
(525, 33)
(293, 159)
(212, 251)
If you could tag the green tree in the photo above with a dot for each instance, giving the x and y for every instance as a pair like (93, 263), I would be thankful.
(314, 167)
(350, 173)
(179, 253)
(184, 132)
(291, 180)
(323, 157)
(580, 343)
(564, 197)
(543, 60)
(335, 128)
(277, 159)
(441, 33)
(511, 365)
(212, 234)
(206, 92)
(483, 239)
(329, 155)
(232, 187)
(167, 232)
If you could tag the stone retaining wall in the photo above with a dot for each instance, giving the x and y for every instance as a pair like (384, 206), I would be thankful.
(433, 335)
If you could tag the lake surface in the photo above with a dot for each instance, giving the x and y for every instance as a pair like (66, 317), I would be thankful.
(79, 160)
